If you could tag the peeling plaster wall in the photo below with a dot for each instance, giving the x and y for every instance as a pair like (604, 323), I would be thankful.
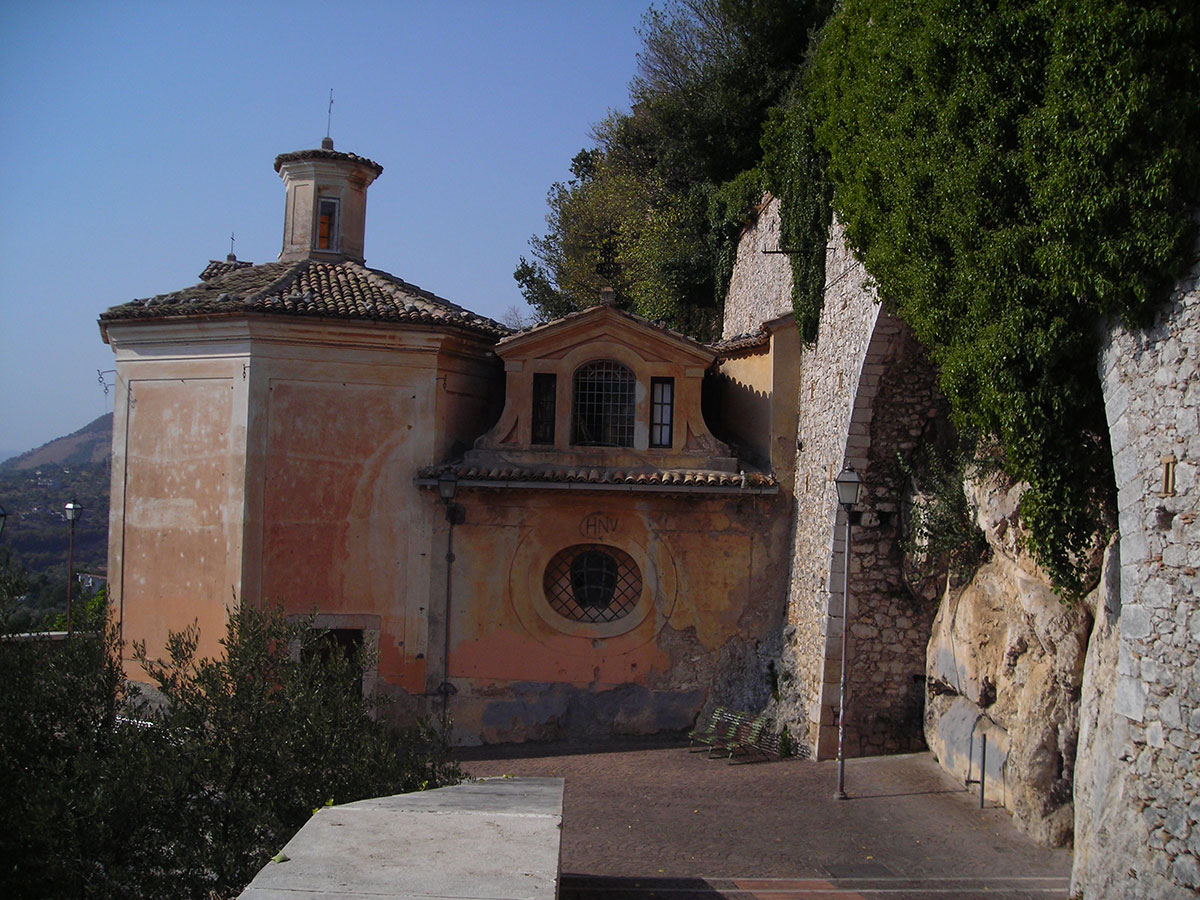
(178, 502)
(263, 460)
(712, 572)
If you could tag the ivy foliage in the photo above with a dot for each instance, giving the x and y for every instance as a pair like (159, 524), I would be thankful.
(655, 209)
(1010, 174)
(940, 532)
(795, 173)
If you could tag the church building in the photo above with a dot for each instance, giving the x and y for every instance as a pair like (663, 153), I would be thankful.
(576, 530)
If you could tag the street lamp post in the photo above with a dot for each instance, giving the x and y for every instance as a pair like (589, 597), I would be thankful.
(73, 511)
(848, 487)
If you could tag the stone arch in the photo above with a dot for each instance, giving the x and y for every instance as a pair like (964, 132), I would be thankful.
(867, 392)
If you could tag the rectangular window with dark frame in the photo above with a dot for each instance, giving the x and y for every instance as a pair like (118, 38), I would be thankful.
(327, 211)
(545, 387)
(662, 411)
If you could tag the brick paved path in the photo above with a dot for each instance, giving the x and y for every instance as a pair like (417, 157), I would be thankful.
(645, 822)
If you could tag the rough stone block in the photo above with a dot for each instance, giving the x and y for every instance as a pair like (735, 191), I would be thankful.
(1116, 398)
(1156, 595)
(1185, 477)
(1187, 422)
(1135, 621)
(1128, 498)
(1127, 466)
(1132, 579)
(1130, 700)
(1186, 871)
(1175, 556)
(1169, 713)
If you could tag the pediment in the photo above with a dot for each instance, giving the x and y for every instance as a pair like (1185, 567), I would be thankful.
(653, 343)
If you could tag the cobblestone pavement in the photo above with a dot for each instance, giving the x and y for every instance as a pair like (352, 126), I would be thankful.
(643, 822)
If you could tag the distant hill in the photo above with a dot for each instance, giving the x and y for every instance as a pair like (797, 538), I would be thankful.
(34, 488)
(90, 444)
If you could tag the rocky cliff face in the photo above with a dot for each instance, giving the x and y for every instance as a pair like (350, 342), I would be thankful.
(1005, 664)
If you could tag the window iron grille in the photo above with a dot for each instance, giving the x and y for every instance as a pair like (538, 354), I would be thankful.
(604, 405)
(592, 583)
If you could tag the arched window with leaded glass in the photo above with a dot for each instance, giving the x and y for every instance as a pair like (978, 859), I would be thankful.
(603, 411)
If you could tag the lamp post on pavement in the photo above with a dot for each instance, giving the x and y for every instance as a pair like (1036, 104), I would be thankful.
(849, 485)
(73, 511)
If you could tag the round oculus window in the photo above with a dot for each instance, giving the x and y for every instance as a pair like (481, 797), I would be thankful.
(592, 583)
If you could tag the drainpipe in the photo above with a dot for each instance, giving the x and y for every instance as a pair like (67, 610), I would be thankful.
(455, 515)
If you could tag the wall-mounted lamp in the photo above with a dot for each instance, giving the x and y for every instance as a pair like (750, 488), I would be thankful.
(448, 485)
(849, 486)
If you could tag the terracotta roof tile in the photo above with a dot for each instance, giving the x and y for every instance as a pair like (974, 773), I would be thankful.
(587, 310)
(341, 290)
(738, 342)
(327, 154)
(219, 267)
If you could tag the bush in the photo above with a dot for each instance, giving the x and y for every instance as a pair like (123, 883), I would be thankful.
(106, 796)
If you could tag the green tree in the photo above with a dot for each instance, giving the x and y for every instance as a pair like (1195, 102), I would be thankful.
(655, 209)
(1010, 174)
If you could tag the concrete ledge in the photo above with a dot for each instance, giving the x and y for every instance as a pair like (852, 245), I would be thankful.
(496, 839)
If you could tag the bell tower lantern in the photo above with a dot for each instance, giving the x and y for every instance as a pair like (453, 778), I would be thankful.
(326, 212)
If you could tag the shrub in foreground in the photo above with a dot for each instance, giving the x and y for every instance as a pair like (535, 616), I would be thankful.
(106, 795)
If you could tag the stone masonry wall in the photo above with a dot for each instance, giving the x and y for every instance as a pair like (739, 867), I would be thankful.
(866, 393)
(1139, 836)
(829, 373)
(1137, 770)
(761, 286)
(891, 623)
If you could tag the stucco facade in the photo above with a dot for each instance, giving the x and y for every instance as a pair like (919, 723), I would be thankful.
(697, 544)
(608, 563)
(257, 459)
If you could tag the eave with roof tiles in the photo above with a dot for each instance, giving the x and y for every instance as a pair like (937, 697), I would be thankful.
(676, 481)
(340, 290)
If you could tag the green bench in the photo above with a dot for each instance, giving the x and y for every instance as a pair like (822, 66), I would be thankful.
(732, 732)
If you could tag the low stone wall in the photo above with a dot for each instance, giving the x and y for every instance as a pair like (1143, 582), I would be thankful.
(496, 839)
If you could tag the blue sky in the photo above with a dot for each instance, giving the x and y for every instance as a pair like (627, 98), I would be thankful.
(136, 136)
